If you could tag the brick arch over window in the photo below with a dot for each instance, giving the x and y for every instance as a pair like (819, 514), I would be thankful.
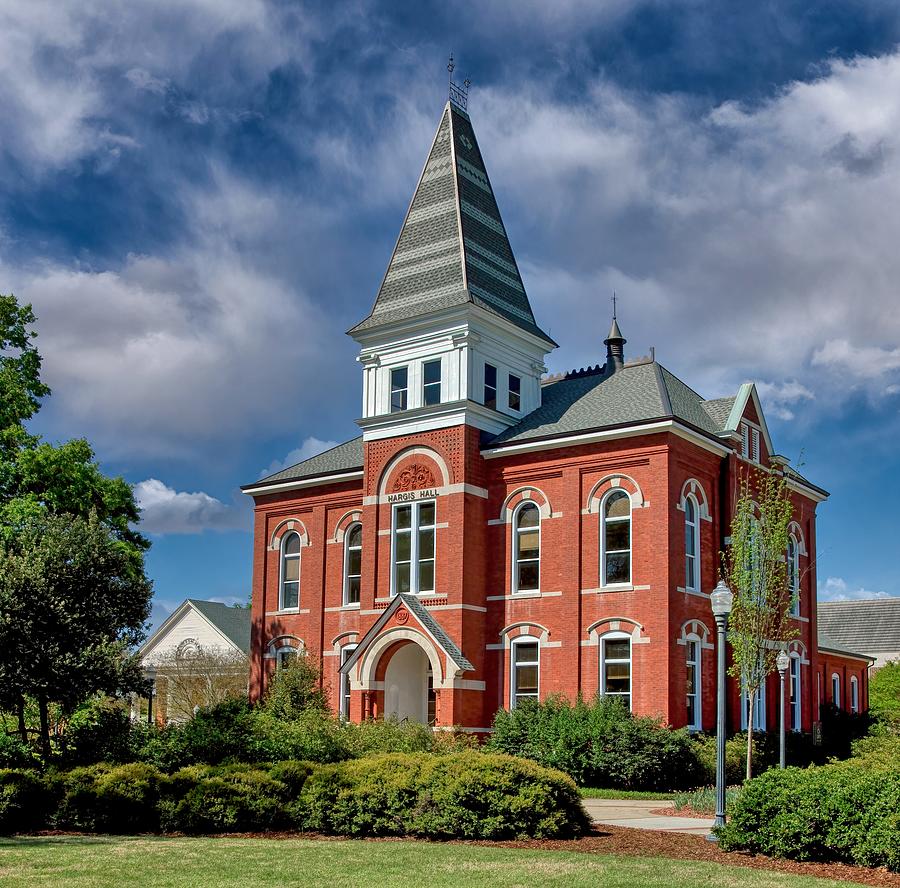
(609, 482)
(796, 531)
(344, 522)
(524, 627)
(798, 649)
(288, 525)
(279, 642)
(442, 477)
(692, 487)
(520, 495)
(697, 629)
(342, 640)
(616, 624)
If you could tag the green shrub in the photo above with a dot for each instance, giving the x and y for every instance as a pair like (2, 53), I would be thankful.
(15, 754)
(313, 736)
(846, 812)
(884, 696)
(598, 743)
(463, 794)
(26, 801)
(110, 798)
(297, 688)
(98, 731)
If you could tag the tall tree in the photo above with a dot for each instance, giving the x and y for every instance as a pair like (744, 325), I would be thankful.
(760, 623)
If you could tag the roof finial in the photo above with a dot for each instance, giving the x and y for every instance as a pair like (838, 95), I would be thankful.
(459, 95)
(614, 304)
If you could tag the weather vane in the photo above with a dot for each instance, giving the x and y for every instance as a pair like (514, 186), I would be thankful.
(459, 95)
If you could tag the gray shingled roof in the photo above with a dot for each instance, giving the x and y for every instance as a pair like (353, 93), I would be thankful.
(453, 248)
(640, 392)
(232, 622)
(871, 626)
(719, 409)
(346, 457)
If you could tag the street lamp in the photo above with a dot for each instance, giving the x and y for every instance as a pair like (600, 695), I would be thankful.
(721, 600)
(782, 661)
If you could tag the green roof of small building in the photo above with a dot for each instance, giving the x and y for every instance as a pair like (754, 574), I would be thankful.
(232, 622)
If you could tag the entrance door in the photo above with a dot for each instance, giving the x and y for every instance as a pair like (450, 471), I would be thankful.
(406, 685)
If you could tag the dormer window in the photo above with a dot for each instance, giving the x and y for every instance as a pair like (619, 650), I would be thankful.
(749, 442)
(431, 383)
(399, 389)
(490, 386)
(745, 440)
(515, 392)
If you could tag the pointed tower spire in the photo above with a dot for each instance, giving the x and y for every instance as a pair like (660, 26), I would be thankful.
(453, 248)
(615, 345)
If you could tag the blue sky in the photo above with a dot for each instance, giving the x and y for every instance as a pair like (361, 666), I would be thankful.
(199, 197)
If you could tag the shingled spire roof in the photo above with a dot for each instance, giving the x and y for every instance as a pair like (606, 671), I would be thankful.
(453, 247)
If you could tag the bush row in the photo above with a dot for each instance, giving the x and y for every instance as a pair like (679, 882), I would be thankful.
(848, 812)
(465, 794)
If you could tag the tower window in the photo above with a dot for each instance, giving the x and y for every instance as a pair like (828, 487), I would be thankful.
(431, 383)
(515, 392)
(490, 386)
(413, 549)
(399, 389)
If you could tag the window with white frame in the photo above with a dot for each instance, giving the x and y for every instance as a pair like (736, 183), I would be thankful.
(431, 383)
(754, 445)
(793, 566)
(289, 588)
(694, 715)
(854, 694)
(413, 548)
(615, 667)
(525, 658)
(691, 544)
(836, 689)
(527, 548)
(759, 708)
(284, 656)
(399, 389)
(515, 392)
(615, 538)
(796, 722)
(352, 563)
(344, 702)
(490, 386)
(745, 440)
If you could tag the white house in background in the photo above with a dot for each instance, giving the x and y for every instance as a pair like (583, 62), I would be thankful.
(195, 626)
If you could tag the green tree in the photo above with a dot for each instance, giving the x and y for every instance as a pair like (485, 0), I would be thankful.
(71, 609)
(297, 688)
(756, 567)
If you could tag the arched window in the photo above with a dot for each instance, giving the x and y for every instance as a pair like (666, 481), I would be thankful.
(796, 723)
(290, 572)
(615, 667)
(854, 694)
(836, 689)
(793, 566)
(691, 544)
(525, 660)
(694, 714)
(527, 548)
(615, 539)
(344, 702)
(352, 563)
(284, 656)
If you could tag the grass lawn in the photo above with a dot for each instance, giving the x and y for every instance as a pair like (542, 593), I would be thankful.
(588, 793)
(100, 861)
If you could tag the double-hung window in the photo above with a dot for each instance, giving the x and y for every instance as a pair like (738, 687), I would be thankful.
(759, 708)
(525, 671)
(284, 657)
(793, 566)
(615, 668)
(694, 718)
(796, 724)
(289, 592)
(352, 564)
(431, 383)
(691, 545)
(836, 689)
(854, 694)
(615, 539)
(490, 386)
(527, 549)
(515, 392)
(399, 389)
(413, 548)
(344, 702)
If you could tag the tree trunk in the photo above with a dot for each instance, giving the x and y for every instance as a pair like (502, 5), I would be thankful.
(20, 713)
(45, 728)
(751, 700)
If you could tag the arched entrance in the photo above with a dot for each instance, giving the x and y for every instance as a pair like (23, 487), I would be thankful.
(408, 692)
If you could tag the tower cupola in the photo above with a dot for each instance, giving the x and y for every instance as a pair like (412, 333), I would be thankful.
(615, 348)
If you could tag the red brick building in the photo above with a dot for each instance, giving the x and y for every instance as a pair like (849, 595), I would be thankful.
(496, 534)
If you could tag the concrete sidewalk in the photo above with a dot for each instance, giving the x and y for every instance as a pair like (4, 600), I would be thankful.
(636, 814)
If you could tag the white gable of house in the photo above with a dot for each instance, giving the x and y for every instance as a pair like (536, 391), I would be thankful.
(185, 624)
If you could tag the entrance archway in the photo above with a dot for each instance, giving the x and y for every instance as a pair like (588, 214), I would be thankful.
(407, 685)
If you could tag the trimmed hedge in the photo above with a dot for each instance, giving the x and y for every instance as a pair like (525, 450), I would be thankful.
(848, 812)
(465, 794)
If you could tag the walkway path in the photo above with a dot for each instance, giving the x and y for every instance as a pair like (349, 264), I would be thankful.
(637, 815)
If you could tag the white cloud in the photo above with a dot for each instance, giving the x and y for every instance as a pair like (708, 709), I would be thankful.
(167, 511)
(838, 589)
(780, 397)
(860, 362)
(310, 447)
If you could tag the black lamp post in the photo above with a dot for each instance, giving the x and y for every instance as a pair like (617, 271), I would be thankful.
(721, 600)
(782, 661)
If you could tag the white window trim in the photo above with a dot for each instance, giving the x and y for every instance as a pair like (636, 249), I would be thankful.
(759, 722)
(345, 600)
(695, 527)
(509, 392)
(515, 547)
(794, 574)
(439, 383)
(516, 642)
(690, 639)
(415, 506)
(495, 386)
(616, 636)
(854, 694)
(796, 690)
(836, 689)
(282, 557)
(346, 651)
(602, 515)
(405, 367)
